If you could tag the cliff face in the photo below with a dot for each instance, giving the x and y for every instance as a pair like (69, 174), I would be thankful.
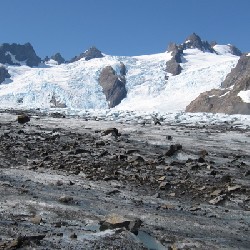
(3, 74)
(227, 99)
(16, 54)
(89, 54)
(113, 85)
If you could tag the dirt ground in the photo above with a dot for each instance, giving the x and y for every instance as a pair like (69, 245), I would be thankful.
(78, 183)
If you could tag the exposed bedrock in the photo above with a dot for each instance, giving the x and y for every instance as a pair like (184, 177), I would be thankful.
(58, 58)
(113, 85)
(227, 99)
(16, 54)
(3, 74)
(89, 54)
(173, 66)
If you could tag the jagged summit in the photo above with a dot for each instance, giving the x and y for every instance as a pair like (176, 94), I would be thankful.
(17, 54)
(89, 54)
(58, 58)
(194, 42)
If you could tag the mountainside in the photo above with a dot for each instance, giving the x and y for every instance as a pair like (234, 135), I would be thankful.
(16, 54)
(233, 97)
(165, 82)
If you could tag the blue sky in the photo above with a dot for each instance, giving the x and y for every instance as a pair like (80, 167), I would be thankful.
(122, 27)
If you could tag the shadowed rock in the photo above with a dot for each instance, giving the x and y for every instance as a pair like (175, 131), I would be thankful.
(116, 221)
(113, 86)
(3, 74)
(226, 100)
(23, 119)
(89, 54)
(173, 149)
(194, 42)
(173, 65)
(58, 58)
(14, 54)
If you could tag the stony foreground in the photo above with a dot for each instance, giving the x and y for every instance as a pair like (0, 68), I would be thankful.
(73, 183)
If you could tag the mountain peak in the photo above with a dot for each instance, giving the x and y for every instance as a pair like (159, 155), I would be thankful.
(17, 54)
(193, 41)
(58, 58)
(88, 54)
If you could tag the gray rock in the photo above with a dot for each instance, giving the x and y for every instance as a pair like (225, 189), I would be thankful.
(3, 74)
(173, 149)
(58, 57)
(235, 51)
(173, 67)
(194, 42)
(65, 199)
(89, 54)
(113, 86)
(117, 221)
(20, 52)
(237, 74)
(226, 100)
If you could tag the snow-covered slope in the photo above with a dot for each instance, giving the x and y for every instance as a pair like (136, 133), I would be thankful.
(76, 84)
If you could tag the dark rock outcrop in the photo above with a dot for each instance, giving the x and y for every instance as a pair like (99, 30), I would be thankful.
(234, 50)
(173, 65)
(241, 71)
(21, 53)
(89, 54)
(3, 74)
(194, 42)
(226, 99)
(23, 118)
(113, 86)
(58, 58)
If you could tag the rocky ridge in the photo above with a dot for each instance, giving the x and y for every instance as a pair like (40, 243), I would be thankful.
(226, 99)
(89, 54)
(113, 85)
(16, 54)
(58, 58)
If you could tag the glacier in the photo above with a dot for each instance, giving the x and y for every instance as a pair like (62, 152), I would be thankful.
(76, 84)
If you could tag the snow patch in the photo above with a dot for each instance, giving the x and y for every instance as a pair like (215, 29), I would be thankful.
(245, 96)
(14, 60)
(223, 49)
(225, 94)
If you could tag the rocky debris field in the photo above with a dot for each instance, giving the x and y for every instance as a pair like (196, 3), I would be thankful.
(78, 183)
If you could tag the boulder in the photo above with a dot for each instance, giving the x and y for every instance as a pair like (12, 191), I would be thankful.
(173, 65)
(234, 50)
(117, 221)
(173, 149)
(15, 54)
(113, 86)
(23, 119)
